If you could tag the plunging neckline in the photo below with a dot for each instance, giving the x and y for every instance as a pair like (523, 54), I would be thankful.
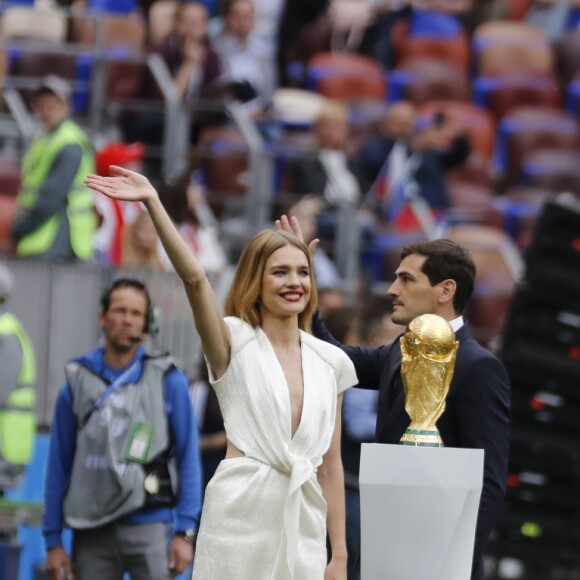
(288, 398)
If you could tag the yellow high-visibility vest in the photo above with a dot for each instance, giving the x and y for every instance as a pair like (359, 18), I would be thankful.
(81, 215)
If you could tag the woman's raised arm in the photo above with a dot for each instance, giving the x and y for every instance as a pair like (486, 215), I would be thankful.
(130, 186)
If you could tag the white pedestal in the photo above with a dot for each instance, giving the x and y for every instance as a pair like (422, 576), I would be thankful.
(418, 511)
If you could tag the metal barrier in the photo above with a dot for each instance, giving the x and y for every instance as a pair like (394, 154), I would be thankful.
(58, 305)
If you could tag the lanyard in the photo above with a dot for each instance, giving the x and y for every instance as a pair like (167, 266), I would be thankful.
(114, 386)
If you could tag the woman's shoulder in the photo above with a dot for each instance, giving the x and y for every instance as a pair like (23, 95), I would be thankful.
(335, 357)
(240, 332)
(332, 354)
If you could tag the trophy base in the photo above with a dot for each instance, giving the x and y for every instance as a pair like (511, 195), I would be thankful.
(422, 438)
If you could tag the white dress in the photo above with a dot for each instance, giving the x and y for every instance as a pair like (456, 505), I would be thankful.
(264, 516)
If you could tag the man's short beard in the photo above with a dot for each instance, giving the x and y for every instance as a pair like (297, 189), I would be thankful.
(122, 348)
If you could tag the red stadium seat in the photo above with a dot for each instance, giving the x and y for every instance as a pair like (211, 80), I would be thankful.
(553, 169)
(7, 211)
(492, 250)
(507, 92)
(346, 76)
(9, 177)
(517, 9)
(455, 51)
(223, 156)
(526, 129)
(425, 79)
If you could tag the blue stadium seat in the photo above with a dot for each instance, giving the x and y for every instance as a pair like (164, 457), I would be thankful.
(573, 98)
(433, 24)
(112, 6)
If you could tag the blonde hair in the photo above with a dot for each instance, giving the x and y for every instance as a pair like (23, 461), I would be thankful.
(242, 300)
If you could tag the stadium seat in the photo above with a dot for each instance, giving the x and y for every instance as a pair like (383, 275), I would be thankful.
(526, 129)
(9, 177)
(506, 31)
(36, 64)
(346, 76)
(122, 35)
(224, 162)
(573, 97)
(124, 79)
(520, 207)
(492, 251)
(7, 211)
(516, 47)
(3, 67)
(112, 6)
(499, 94)
(517, 9)
(455, 51)
(478, 123)
(476, 170)
(26, 22)
(471, 203)
(553, 169)
(434, 24)
(506, 58)
(424, 79)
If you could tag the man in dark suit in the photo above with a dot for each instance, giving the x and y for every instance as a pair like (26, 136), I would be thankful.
(438, 277)
(410, 153)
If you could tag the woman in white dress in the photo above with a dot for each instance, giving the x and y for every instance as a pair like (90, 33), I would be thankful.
(280, 488)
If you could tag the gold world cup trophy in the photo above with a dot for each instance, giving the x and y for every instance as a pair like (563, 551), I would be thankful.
(428, 353)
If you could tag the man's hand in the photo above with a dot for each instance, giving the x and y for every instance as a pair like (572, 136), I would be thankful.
(292, 226)
(57, 561)
(180, 555)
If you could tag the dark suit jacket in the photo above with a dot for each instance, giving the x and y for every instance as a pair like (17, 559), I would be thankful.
(308, 176)
(430, 173)
(476, 416)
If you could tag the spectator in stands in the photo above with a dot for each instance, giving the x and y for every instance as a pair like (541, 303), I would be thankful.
(122, 424)
(194, 66)
(247, 61)
(193, 63)
(185, 202)
(17, 392)
(306, 211)
(141, 245)
(55, 217)
(328, 171)
(268, 16)
(377, 41)
(412, 159)
(297, 34)
(552, 17)
(115, 214)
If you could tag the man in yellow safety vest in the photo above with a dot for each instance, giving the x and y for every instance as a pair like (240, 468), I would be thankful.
(55, 217)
